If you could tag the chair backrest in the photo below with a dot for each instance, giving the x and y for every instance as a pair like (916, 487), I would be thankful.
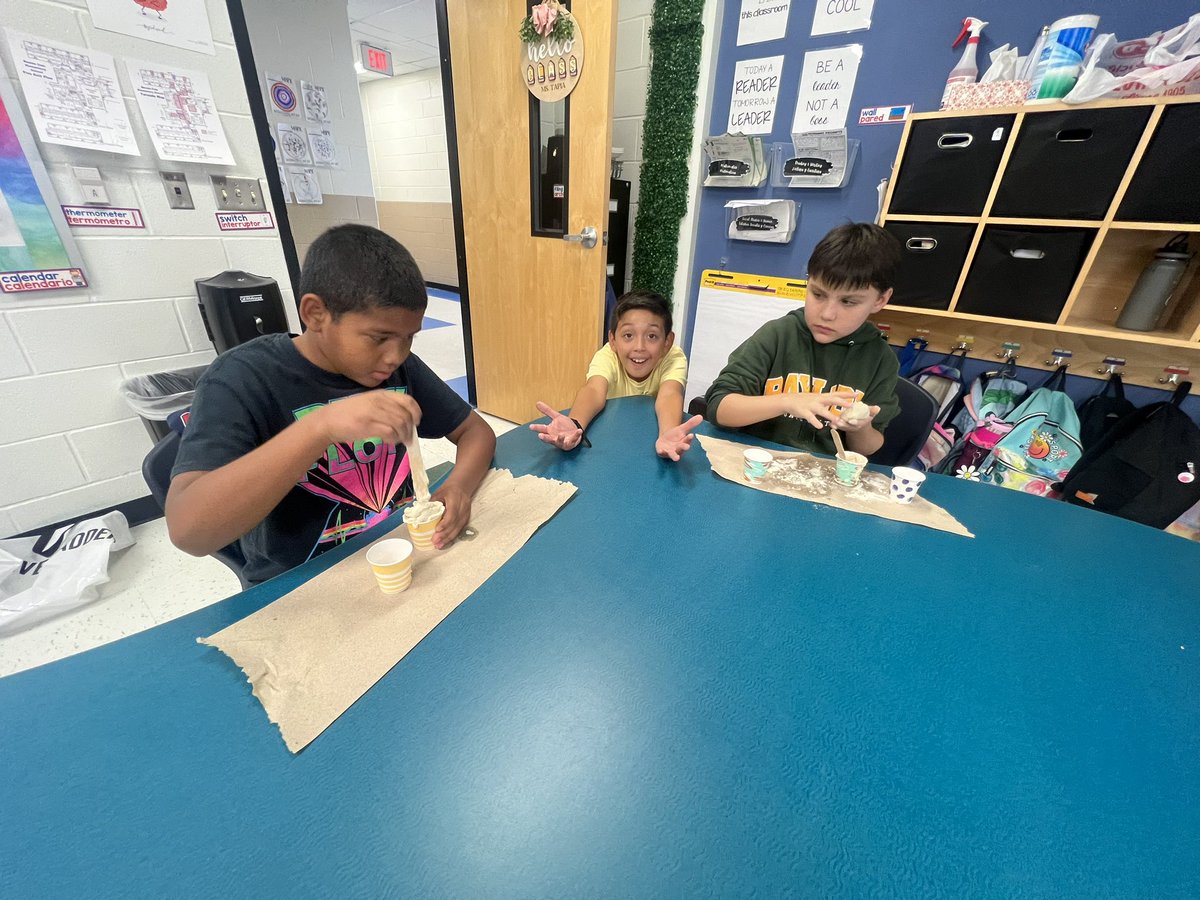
(156, 470)
(905, 435)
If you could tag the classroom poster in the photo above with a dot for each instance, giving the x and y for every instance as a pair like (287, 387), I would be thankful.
(37, 252)
(180, 113)
(826, 85)
(282, 96)
(177, 23)
(755, 90)
(762, 20)
(838, 16)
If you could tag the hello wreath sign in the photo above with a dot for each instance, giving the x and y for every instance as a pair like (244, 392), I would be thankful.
(551, 51)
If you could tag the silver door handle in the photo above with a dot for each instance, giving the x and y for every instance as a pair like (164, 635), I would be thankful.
(586, 236)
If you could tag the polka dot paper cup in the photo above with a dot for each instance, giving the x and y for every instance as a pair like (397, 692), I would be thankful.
(905, 483)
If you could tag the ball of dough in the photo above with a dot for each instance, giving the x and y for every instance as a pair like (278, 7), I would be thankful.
(855, 413)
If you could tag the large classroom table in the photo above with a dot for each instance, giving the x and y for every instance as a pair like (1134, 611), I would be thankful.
(678, 687)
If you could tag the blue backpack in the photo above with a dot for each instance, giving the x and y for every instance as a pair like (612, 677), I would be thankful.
(1043, 445)
(943, 381)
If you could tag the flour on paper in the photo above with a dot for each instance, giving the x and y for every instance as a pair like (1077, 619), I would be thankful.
(808, 477)
(312, 653)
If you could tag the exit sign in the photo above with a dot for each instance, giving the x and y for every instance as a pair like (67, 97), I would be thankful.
(376, 60)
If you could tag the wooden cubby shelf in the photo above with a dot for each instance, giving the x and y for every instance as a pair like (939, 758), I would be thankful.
(1091, 257)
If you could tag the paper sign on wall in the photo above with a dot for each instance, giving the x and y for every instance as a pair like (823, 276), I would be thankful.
(180, 113)
(826, 84)
(179, 23)
(755, 90)
(282, 95)
(762, 20)
(837, 16)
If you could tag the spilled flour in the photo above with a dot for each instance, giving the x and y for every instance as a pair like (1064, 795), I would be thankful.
(813, 476)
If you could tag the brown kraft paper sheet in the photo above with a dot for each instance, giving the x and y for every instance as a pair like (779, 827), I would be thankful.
(313, 652)
(808, 477)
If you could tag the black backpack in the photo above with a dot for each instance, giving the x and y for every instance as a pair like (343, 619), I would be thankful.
(1102, 410)
(1146, 468)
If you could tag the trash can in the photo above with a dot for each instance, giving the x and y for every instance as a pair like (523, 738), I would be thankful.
(156, 396)
(237, 307)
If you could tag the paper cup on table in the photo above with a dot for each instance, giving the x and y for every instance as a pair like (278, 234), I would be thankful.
(391, 561)
(848, 467)
(422, 521)
(905, 483)
(755, 461)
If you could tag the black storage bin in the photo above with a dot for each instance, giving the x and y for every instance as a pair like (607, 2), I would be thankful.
(1024, 273)
(1166, 186)
(949, 165)
(932, 260)
(1067, 165)
(237, 307)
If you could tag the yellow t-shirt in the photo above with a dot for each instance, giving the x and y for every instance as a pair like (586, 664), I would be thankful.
(672, 367)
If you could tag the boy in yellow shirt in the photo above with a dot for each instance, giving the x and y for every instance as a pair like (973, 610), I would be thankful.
(639, 360)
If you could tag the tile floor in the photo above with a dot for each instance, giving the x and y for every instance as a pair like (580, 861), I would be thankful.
(152, 582)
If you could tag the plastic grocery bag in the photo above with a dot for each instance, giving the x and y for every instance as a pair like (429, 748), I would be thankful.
(1166, 63)
(47, 575)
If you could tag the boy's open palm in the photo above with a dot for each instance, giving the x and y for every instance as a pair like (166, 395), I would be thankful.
(389, 416)
(561, 432)
(675, 442)
(816, 408)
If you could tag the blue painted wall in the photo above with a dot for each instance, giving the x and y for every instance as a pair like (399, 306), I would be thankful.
(906, 57)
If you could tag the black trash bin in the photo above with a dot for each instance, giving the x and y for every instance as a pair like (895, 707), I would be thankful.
(154, 397)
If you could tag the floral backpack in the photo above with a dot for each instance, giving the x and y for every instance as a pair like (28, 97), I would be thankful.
(1043, 445)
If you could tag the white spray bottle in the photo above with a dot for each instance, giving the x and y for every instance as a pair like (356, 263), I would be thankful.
(967, 71)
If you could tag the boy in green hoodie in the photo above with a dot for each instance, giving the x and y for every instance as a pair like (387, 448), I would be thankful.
(803, 369)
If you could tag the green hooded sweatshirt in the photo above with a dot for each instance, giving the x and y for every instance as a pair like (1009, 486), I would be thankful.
(783, 357)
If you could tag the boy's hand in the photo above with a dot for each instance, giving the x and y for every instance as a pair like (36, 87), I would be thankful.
(561, 432)
(456, 516)
(813, 408)
(386, 415)
(860, 424)
(674, 442)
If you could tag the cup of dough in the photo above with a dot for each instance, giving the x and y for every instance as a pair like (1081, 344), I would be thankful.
(422, 519)
(848, 467)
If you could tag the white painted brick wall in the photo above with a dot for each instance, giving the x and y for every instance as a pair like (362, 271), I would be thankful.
(68, 443)
(406, 137)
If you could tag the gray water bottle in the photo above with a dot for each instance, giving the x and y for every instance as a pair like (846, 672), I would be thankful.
(1147, 303)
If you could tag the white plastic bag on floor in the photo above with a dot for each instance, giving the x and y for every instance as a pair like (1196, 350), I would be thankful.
(46, 576)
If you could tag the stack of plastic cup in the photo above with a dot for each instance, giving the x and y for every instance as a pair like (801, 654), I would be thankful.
(905, 483)
(755, 463)
(391, 561)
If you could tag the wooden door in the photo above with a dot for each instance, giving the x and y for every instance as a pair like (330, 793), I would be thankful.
(536, 302)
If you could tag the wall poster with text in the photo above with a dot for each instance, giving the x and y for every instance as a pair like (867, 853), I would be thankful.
(37, 252)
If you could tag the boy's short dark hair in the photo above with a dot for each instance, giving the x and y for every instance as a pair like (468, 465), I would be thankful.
(354, 267)
(856, 255)
(655, 304)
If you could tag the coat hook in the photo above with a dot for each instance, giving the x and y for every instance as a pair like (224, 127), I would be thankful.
(965, 342)
(1112, 365)
(1061, 358)
(1009, 351)
(1172, 374)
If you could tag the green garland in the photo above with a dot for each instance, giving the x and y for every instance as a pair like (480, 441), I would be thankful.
(563, 30)
(676, 34)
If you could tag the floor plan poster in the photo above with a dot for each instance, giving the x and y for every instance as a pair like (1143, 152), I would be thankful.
(178, 23)
(73, 95)
(36, 249)
(180, 113)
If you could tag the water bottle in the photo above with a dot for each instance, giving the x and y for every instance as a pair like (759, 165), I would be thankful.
(1147, 303)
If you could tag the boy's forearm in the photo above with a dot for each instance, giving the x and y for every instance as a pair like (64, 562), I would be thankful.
(865, 441)
(668, 406)
(588, 404)
(476, 445)
(738, 410)
(216, 508)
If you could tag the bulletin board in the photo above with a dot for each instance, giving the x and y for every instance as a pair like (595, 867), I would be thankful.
(906, 56)
(37, 252)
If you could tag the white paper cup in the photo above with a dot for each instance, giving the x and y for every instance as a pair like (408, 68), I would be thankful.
(391, 561)
(906, 483)
(755, 461)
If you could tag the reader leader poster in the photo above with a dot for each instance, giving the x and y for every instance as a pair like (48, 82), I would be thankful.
(37, 252)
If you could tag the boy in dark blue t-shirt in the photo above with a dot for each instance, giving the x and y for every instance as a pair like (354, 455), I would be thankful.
(297, 443)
